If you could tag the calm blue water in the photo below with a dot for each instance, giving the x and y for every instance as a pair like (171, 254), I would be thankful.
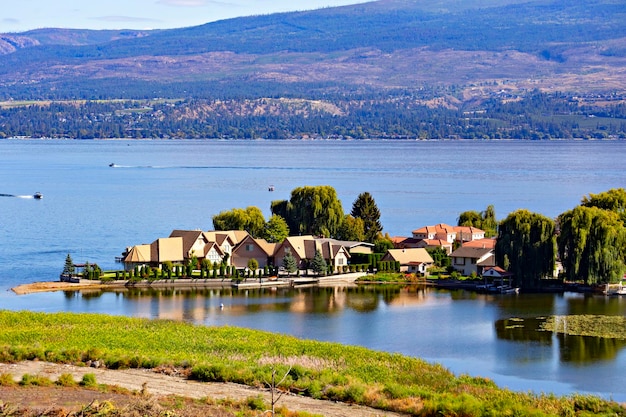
(93, 212)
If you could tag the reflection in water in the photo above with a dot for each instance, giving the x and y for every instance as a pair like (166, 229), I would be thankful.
(574, 349)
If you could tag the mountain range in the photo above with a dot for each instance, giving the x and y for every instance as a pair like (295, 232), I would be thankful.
(447, 51)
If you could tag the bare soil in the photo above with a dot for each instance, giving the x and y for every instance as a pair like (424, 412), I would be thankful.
(153, 383)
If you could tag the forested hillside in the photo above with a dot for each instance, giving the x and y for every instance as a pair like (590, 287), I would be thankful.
(389, 68)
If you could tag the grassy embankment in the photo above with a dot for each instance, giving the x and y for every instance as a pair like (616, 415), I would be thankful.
(320, 370)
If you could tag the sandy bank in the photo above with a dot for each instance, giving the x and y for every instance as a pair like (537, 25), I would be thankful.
(55, 286)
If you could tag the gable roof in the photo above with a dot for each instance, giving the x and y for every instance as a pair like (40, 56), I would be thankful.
(138, 254)
(167, 249)
(438, 228)
(190, 237)
(468, 230)
(481, 243)
(471, 252)
(236, 236)
(409, 255)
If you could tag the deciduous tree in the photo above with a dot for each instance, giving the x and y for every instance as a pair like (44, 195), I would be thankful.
(250, 219)
(276, 229)
(312, 210)
(592, 245)
(352, 229)
(528, 241)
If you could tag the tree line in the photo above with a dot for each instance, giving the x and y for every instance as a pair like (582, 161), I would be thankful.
(399, 116)
(589, 240)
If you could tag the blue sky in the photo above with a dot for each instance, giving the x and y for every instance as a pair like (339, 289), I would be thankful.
(22, 15)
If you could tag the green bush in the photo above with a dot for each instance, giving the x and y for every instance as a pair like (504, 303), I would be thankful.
(89, 380)
(66, 380)
(35, 380)
(6, 380)
(256, 403)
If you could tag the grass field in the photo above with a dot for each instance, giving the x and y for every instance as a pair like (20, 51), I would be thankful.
(320, 370)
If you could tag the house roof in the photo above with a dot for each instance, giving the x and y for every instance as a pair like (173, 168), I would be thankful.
(299, 245)
(236, 236)
(481, 243)
(262, 244)
(167, 249)
(406, 256)
(438, 228)
(468, 230)
(501, 272)
(138, 254)
(189, 238)
(470, 252)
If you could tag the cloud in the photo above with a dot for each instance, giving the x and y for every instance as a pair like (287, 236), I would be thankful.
(10, 21)
(124, 19)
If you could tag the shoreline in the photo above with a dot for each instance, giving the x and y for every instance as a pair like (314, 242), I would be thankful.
(51, 286)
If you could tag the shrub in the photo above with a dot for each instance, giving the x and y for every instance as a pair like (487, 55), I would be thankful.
(210, 373)
(256, 403)
(6, 380)
(89, 380)
(66, 380)
(35, 380)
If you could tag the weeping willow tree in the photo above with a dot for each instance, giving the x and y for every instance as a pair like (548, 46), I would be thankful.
(527, 241)
(311, 210)
(592, 245)
(613, 200)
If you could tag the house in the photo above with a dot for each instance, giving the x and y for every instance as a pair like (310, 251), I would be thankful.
(297, 247)
(226, 242)
(138, 255)
(195, 242)
(449, 233)
(412, 242)
(468, 260)
(497, 275)
(412, 260)
(251, 248)
(154, 254)
(468, 233)
(440, 231)
(303, 249)
(335, 253)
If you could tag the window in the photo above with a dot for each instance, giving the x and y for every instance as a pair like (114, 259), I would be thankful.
(249, 247)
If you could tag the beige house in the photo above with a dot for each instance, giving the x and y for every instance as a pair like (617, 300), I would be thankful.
(449, 233)
(250, 248)
(439, 231)
(468, 260)
(303, 249)
(154, 254)
(412, 260)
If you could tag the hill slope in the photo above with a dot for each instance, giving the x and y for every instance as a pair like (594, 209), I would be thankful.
(377, 46)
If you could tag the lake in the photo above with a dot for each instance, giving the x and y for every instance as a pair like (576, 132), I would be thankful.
(94, 211)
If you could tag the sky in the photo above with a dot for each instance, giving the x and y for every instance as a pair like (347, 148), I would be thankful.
(23, 15)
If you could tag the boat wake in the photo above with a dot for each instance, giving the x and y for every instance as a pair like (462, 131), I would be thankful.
(18, 196)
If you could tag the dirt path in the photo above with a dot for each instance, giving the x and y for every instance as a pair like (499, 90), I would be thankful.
(161, 384)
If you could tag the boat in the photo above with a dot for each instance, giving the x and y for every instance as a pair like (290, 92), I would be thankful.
(111, 164)
(270, 188)
(37, 196)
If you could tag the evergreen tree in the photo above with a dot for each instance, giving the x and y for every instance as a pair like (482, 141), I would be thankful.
(289, 263)
(318, 264)
(528, 241)
(364, 207)
(68, 268)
